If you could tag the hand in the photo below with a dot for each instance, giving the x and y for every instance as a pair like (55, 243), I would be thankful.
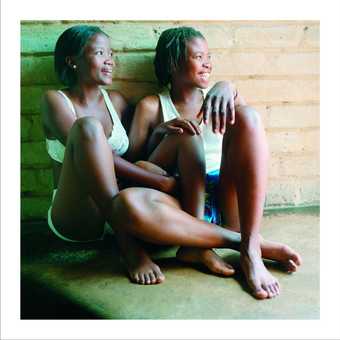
(179, 125)
(219, 104)
(170, 185)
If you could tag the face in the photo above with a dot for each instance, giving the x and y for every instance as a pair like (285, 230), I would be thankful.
(95, 64)
(196, 69)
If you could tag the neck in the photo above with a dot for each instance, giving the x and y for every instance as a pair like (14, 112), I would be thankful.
(84, 93)
(183, 93)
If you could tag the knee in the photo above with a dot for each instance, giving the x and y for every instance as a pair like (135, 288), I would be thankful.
(87, 128)
(192, 144)
(249, 119)
(133, 206)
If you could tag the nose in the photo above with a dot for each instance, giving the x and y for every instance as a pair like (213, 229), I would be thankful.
(109, 60)
(207, 64)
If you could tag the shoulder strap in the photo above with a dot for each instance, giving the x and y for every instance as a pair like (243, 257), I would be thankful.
(110, 107)
(68, 101)
(168, 108)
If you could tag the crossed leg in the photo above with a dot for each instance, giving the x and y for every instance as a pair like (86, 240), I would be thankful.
(242, 188)
(186, 154)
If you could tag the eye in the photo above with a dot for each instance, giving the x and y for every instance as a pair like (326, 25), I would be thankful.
(199, 57)
(111, 53)
(99, 52)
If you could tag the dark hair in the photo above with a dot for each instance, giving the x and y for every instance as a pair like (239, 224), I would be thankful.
(71, 43)
(171, 50)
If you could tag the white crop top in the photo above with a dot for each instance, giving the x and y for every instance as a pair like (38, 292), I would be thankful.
(212, 142)
(118, 139)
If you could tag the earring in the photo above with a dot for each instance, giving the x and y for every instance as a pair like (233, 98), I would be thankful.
(74, 66)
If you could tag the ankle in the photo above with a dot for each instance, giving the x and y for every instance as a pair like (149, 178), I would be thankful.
(250, 245)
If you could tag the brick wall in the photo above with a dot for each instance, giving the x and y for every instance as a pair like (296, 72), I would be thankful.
(275, 65)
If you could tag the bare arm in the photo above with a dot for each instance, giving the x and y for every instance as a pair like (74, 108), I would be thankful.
(139, 173)
(57, 117)
(145, 118)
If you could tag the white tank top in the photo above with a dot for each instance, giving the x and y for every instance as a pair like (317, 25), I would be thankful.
(118, 139)
(212, 142)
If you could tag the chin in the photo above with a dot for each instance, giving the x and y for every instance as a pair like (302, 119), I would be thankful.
(204, 85)
(106, 82)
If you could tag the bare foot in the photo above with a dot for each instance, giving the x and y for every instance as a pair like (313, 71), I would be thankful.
(262, 284)
(206, 257)
(143, 270)
(282, 253)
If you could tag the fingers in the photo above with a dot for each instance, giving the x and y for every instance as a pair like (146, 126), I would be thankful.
(179, 125)
(223, 115)
(231, 111)
(215, 115)
(206, 108)
(195, 127)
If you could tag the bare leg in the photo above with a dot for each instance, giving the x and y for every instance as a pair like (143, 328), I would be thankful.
(86, 187)
(185, 153)
(243, 180)
(156, 217)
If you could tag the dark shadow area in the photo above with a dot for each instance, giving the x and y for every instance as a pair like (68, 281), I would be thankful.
(41, 302)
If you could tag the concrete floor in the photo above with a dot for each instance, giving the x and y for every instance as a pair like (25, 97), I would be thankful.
(70, 281)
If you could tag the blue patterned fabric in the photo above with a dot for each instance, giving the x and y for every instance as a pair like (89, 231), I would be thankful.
(211, 211)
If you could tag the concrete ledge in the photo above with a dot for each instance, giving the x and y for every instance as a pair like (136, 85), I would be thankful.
(67, 281)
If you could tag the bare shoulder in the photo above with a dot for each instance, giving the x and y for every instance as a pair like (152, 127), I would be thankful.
(53, 103)
(119, 102)
(149, 107)
(50, 97)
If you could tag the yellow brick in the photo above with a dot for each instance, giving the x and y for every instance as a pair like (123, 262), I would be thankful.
(282, 193)
(256, 90)
(292, 192)
(282, 166)
(261, 35)
(294, 141)
(293, 116)
(311, 36)
(263, 111)
(265, 63)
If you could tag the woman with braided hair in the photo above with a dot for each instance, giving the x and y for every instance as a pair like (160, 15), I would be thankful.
(214, 137)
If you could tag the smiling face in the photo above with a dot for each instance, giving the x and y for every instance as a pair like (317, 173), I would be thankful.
(196, 68)
(95, 64)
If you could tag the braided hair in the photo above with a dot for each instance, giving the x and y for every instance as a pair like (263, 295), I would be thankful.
(171, 50)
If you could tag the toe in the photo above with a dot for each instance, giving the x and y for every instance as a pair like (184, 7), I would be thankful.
(276, 288)
(297, 259)
(147, 279)
(141, 279)
(135, 277)
(159, 275)
(273, 290)
(260, 294)
(152, 278)
(227, 270)
(292, 267)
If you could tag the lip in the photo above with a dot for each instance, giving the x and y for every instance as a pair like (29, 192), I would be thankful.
(204, 75)
(107, 72)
